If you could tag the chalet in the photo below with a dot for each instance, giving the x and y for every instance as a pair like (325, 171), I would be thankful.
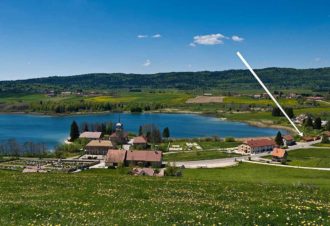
(140, 142)
(288, 140)
(254, 146)
(115, 157)
(144, 158)
(279, 155)
(98, 147)
(91, 135)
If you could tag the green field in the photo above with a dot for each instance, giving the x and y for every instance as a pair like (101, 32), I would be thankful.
(312, 157)
(243, 195)
(197, 155)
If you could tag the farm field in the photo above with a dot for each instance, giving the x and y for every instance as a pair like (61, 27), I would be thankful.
(247, 194)
(312, 157)
(254, 101)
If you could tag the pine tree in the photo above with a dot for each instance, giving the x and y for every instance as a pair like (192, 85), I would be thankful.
(279, 139)
(74, 131)
(317, 123)
(166, 132)
(327, 126)
(308, 122)
(140, 131)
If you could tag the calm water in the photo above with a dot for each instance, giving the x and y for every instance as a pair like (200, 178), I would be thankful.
(55, 129)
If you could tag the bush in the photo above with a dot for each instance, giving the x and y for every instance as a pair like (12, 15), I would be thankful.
(172, 170)
(229, 139)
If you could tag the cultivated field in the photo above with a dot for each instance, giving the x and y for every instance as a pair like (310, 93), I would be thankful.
(243, 195)
(205, 99)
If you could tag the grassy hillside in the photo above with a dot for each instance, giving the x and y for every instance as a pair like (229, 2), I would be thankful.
(243, 195)
(275, 78)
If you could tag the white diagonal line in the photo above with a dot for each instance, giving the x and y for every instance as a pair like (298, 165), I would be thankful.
(267, 91)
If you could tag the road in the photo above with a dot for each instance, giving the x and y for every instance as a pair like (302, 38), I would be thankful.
(225, 162)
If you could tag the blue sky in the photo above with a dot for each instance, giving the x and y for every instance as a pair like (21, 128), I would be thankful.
(66, 37)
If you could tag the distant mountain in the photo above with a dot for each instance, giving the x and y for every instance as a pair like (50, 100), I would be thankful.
(277, 78)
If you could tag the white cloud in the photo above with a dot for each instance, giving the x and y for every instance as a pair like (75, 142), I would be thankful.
(157, 36)
(142, 36)
(147, 63)
(236, 38)
(212, 39)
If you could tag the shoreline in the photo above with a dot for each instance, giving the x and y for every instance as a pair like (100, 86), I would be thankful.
(258, 124)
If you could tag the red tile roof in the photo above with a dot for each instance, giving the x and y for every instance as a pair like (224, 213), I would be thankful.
(288, 137)
(260, 142)
(139, 140)
(278, 152)
(148, 156)
(116, 156)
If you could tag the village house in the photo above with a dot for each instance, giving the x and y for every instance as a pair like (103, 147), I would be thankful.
(139, 142)
(279, 155)
(115, 157)
(288, 140)
(144, 158)
(91, 135)
(98, 147)
(254, 146)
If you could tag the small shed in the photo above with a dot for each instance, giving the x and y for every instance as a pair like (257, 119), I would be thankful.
(279, 155)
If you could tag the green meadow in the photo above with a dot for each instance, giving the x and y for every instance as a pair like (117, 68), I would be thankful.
(242, 195)
(197, 155)
(312, 157)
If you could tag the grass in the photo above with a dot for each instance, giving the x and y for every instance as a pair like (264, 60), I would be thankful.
(243, 195)
(216, 144)
(321, 145)
(197, 155)
(312, 157)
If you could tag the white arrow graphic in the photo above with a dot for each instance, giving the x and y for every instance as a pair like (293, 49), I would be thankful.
(267, 91)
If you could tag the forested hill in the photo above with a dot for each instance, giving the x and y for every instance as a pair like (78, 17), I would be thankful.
(279, 78)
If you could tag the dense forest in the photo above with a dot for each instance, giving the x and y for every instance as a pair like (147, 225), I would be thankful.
(278, 78)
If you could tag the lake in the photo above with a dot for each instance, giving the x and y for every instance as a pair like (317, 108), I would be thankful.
(53, 130)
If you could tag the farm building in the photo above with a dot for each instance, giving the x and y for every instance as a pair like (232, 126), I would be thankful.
(115, 157)
(254, 146)
(134, 158)
(98, 147)
(279, 155)
(144, 158)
